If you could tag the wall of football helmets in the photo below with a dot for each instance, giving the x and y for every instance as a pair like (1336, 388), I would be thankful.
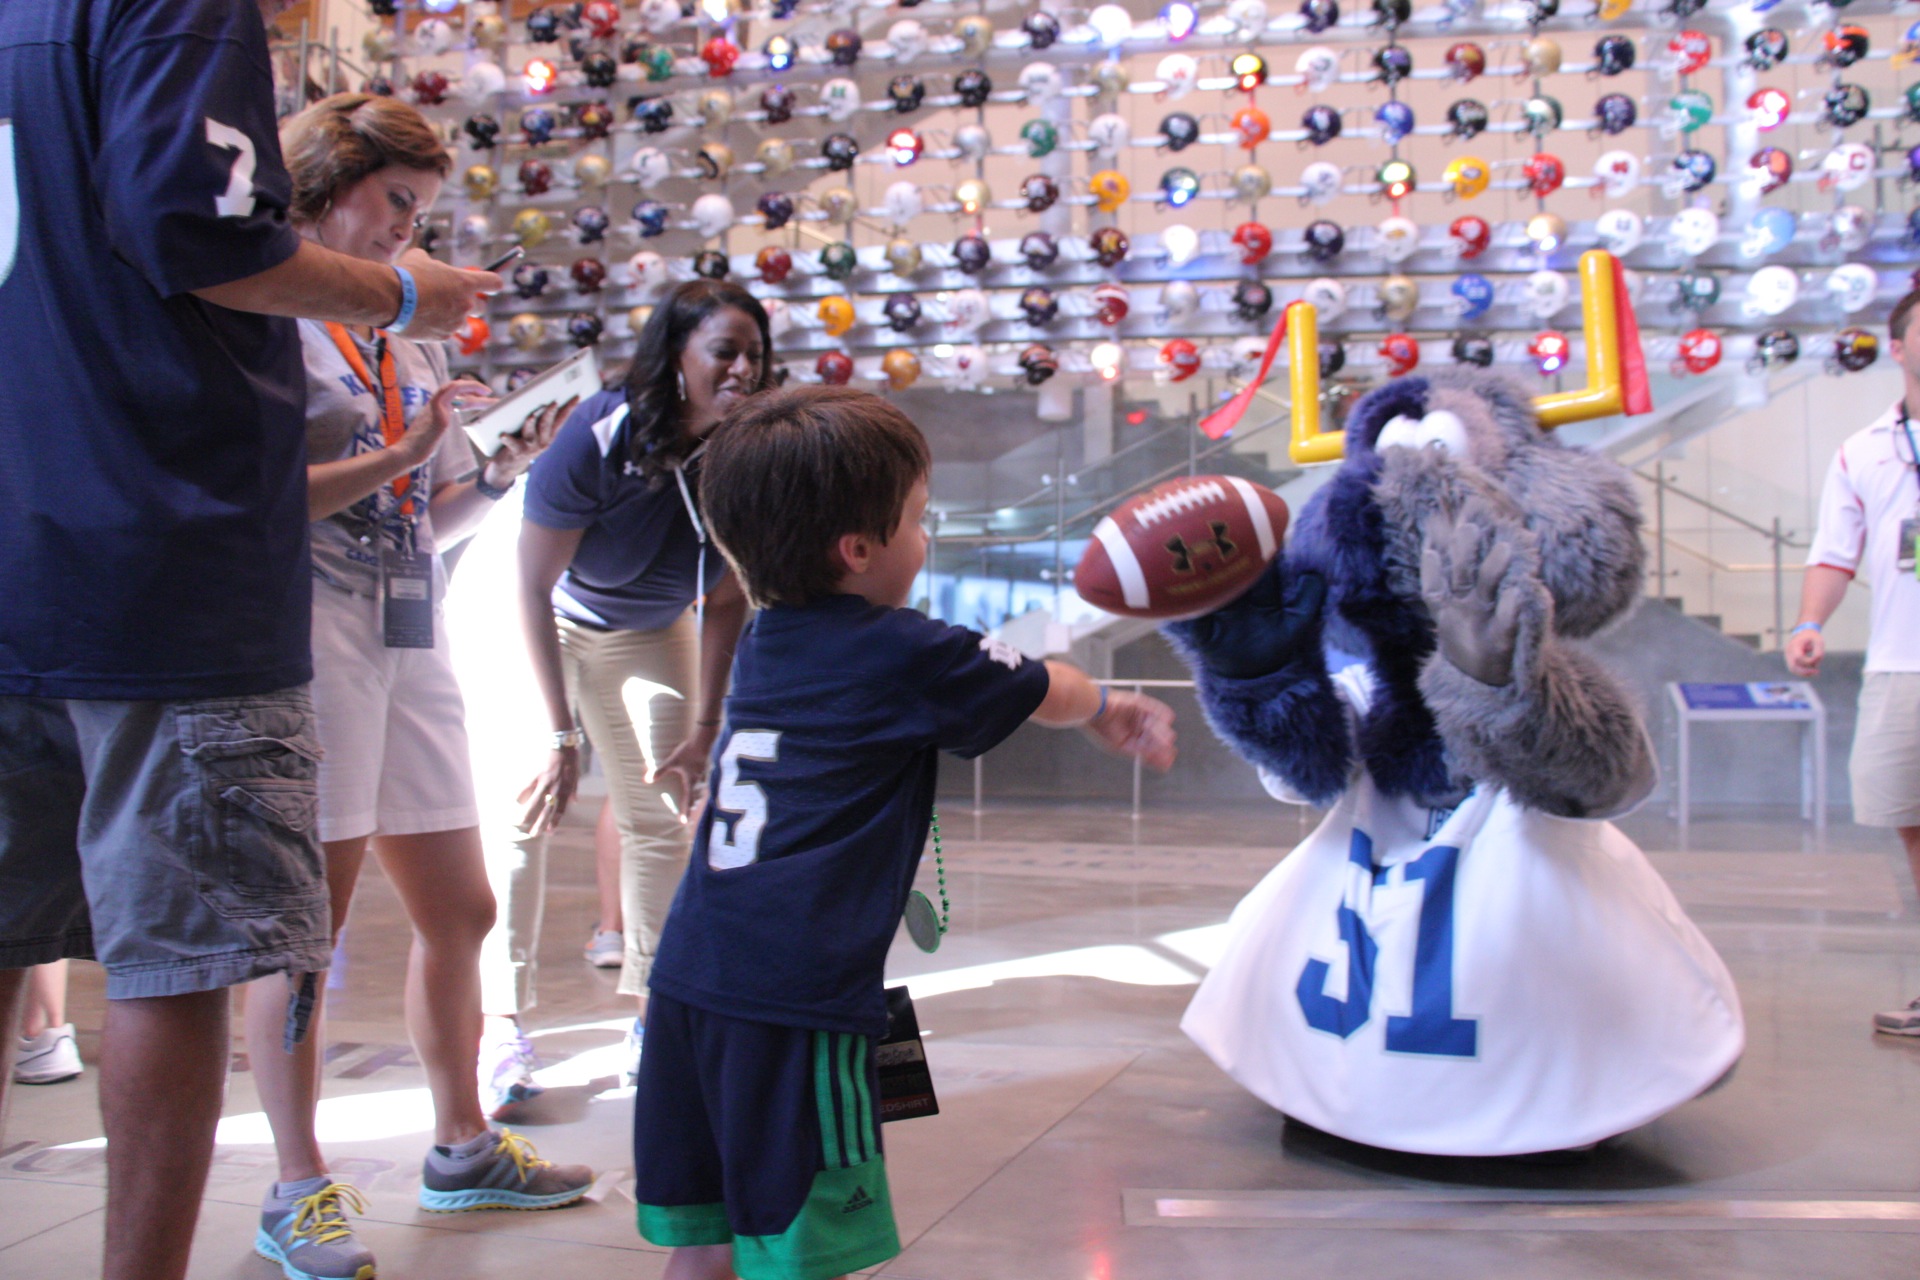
(992, 195)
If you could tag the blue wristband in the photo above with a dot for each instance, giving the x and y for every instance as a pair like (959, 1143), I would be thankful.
(1805, 626)
(409, 299)
(1103, 705)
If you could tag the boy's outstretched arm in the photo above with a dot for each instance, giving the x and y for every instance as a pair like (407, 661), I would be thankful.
(1132, 724)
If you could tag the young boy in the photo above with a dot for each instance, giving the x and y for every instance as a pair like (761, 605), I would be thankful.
(756, 1124)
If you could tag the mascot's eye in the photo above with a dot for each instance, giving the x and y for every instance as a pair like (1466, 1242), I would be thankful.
(1440, 430)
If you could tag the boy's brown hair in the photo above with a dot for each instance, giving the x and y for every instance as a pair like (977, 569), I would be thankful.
(791, 471)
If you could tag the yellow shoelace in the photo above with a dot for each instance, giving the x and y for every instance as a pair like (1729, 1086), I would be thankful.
(321, 1218)
(525, 1158)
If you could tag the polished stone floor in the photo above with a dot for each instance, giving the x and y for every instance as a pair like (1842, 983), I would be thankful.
(1083, 1138)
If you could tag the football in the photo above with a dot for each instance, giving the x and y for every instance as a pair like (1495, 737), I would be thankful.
(1182, 549)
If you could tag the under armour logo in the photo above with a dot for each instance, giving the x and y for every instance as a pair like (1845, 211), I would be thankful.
(1184, 553)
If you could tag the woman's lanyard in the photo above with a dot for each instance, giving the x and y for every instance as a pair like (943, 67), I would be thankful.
(1906, 429)
(699, 532)
(393, 422)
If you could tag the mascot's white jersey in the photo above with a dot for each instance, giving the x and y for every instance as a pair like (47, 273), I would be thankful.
(1489, 981)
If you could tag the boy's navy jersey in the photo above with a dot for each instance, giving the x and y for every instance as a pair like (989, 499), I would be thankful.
(638, 562)
(153, 487)
(823, 789)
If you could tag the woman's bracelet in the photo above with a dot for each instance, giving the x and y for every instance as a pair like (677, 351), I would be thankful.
(409, 300)
(1804, 626)
(565, 738)
(1102, 710)
(487, 491)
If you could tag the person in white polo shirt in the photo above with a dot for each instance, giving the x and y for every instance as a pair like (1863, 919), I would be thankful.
(1870, 521)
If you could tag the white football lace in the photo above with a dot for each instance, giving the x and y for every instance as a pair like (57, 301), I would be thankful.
(1173, 504)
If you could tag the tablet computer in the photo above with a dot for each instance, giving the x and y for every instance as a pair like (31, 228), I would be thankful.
(577, 375)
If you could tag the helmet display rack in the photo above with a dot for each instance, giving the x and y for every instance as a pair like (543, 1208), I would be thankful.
(989, 196)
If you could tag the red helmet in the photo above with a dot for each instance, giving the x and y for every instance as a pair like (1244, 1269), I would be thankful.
(1550, 350)
(1401, 352)
(1179, 359)
(1700, 350)
(1544, 173)
(834, 367)
(1110, 303)
(1473, 235)
(720, 54)
(774, 263)
(1255, 242)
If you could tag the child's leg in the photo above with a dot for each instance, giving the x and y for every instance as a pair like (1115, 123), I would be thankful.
(700, 1262)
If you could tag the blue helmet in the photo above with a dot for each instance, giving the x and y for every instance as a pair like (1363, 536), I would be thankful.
(1475, 293)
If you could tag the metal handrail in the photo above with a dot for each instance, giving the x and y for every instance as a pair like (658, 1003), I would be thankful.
(979, 769)
(1659, 481)
(1055, 529)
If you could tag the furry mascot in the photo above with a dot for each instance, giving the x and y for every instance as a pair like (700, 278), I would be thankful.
(1464, 958)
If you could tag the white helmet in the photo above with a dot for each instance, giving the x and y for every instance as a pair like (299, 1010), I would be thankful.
(712, 214)
(973, 140)
(1853, 285)
(1040, 81)
(650, 166)
(1177, 73)
(1547, 292)
(1691, 232)
(779, 316)
(1319, 65)
(1322, 180)
(482, 81)
(1847, 167)
(904, 203)
(1851, 228)
(1620, 231)
(1179, 299)
(432, 37)
(649, 271)
(659, 16)
(1248, 352)
(907, 39)
(1328, 296)
(1181, 243)
(841, 97)
(1109, 133)
(1398, 238)
(967, 366)
(967, 310)
(1771, 290)
(1619, 173)
(1248, 15)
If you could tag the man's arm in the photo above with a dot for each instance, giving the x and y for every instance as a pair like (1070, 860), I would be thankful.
(1821, 591)
(318, 284)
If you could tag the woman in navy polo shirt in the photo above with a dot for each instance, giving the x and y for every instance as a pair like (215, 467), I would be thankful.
(631, 616)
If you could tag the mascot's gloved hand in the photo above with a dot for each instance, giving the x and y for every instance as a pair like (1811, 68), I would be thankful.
(1274, 622)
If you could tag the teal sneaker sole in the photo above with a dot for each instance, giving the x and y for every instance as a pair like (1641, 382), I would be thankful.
(495, 1198)
(269, 1248)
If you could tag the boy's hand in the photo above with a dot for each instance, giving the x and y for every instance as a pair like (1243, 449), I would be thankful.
(1135, 725)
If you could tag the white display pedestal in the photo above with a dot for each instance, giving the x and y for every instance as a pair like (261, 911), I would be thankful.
(1789, 701)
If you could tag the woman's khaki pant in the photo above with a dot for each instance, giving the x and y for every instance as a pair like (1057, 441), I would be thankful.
(632, 691)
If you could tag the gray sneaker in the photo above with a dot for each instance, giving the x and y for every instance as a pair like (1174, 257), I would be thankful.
(304, 1228)
(509, 1175)
(1901, 1022)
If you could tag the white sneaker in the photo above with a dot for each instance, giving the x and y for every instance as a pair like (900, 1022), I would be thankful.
(48, 1058)
(630, 1058)
(607, 949)
(1896, 1022)
(507, 1064)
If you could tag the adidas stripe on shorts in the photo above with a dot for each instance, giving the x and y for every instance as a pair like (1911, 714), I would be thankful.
(763, 1137)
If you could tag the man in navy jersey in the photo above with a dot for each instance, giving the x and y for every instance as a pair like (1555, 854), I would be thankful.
(756, 1127)
(156, 748)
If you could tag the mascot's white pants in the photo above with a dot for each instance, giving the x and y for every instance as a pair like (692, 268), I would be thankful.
(1507, 982)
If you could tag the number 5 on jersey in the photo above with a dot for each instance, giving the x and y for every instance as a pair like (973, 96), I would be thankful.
(740, 805)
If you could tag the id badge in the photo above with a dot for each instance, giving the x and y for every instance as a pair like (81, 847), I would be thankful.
(406, 597)
(900, 1060)
(1909, 544)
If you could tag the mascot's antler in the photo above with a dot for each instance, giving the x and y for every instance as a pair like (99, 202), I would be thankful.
(1616, 368)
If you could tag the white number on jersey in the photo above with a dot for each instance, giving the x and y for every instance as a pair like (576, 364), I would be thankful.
(9, 202)
(238, 201)
(1001, 652)
(744, 801)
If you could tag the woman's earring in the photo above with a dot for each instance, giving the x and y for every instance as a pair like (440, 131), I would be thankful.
(681, 374)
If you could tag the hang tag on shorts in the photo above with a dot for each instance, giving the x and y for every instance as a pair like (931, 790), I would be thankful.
(1908, 548)
(406, 597)
(900, 1059)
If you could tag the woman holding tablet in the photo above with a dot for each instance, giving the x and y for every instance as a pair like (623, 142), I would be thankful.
(631, 617)
(389, 480)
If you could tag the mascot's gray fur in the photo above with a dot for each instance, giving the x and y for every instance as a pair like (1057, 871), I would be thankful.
(1462, 555)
